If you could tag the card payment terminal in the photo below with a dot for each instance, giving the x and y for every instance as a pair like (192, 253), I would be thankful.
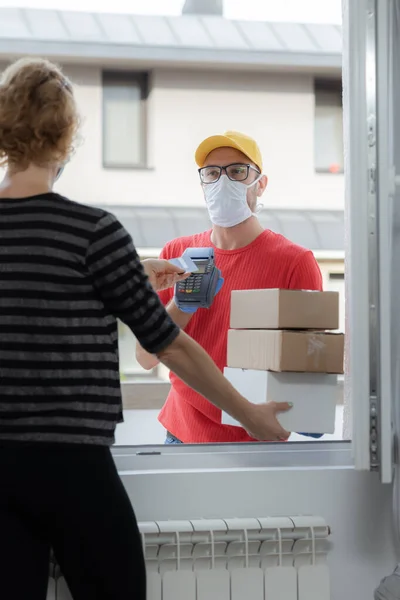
(200, 287)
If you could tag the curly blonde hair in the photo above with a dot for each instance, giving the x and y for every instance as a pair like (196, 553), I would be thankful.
(39, 119)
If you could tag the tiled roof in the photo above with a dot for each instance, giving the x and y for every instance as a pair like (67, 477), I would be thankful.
(187, 38)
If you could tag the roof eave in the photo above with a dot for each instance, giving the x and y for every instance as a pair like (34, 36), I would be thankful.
(151, 56)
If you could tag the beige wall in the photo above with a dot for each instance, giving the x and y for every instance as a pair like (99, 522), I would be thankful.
(184, 107)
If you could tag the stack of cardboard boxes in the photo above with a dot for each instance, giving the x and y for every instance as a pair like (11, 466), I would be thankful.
(282, 347)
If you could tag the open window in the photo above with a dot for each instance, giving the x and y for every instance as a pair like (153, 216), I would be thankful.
(372, 279)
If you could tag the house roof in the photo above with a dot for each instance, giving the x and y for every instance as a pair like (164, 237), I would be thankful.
(187, 39)
(154, 226)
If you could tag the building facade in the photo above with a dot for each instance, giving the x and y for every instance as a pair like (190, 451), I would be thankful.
(151, 88)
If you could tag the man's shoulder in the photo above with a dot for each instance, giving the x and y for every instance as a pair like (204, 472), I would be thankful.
(281, 245)
(296, 264)
(177, 246)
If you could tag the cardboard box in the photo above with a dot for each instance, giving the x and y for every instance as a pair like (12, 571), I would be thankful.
(276, 350)
(314, 397)
(284, 309)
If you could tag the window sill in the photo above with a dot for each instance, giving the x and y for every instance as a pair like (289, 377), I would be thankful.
(186, 458)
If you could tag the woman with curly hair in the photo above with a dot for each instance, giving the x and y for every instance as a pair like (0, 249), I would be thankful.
(67, 273)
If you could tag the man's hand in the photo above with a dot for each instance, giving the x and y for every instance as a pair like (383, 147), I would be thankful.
(262, 423)
(162, 274)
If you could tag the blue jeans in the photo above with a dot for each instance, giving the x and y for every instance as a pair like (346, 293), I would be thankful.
(171, 439)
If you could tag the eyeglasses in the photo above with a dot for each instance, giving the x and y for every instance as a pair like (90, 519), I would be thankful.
(235, 172)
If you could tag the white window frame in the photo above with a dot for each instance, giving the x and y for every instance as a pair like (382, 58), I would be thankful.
(368, 206)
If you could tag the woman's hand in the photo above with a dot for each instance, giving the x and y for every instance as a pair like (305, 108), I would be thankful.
(162, 274)
(262, 424)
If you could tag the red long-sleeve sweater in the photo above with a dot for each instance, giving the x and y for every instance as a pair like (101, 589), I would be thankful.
(270, 261)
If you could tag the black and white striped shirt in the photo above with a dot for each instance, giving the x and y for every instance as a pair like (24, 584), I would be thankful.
(67, 272)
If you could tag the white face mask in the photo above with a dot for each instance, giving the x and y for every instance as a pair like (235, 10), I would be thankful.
(227, 201)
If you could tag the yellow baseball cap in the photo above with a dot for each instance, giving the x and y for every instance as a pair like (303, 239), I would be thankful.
(230, 139)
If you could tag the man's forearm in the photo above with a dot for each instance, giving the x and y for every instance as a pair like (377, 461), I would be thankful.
(149, 361)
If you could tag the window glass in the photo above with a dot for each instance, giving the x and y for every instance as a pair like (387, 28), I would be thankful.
(123, 121)
(328, 128)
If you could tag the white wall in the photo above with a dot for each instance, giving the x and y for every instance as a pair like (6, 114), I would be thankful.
(278, 110)
(355, 505)
(185, 107)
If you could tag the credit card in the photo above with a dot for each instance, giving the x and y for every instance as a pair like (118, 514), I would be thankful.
(187, 265)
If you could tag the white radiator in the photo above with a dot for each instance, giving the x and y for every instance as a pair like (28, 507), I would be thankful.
(270, 558)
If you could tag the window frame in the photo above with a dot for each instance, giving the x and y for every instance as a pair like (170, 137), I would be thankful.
(142, 80)
(162, 460)
(203, 458)
(327, 85)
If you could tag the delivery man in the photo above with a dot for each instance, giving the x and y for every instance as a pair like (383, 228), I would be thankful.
(248, 257)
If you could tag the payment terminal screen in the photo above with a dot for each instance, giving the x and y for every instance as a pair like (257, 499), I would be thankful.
(201, 265)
